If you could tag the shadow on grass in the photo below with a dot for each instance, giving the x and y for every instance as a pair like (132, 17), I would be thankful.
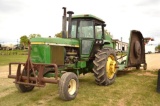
(123, 73)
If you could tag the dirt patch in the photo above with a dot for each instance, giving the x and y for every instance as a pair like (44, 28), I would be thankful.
(146, 74)
(4, 70)
(7, 85)
(121, 102)
(153, 61)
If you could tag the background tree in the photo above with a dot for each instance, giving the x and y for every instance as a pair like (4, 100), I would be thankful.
(108, 33)
(24, 41)
(157, 47)
(59, 34)
(34, 36)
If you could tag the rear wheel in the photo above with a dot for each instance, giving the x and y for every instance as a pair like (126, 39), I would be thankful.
(68, 86)
(105, 66)
(25, 88)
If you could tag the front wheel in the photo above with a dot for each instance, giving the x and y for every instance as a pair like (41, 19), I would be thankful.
(105, 66)
(68, 86)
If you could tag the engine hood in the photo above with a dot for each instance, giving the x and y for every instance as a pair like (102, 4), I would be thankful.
(55, 41)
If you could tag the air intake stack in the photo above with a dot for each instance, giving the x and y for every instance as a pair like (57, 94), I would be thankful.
(69, 23)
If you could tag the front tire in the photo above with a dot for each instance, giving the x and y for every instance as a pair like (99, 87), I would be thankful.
(105, 66)
(68, 86)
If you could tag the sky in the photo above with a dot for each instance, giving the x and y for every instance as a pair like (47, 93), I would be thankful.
(25, 17)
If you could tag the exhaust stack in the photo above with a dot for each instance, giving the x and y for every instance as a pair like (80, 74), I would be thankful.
(69, 23)
(64, 21)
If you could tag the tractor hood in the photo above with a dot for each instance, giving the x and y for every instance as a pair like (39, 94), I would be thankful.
(55, 41)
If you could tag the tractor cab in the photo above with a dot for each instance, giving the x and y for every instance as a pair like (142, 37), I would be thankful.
(87, 26)
(90, 32)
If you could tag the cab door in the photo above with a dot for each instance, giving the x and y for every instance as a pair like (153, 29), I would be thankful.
(86, 47)
(85, 33)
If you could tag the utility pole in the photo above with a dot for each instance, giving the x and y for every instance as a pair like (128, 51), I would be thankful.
(121, 44)
(17, 43)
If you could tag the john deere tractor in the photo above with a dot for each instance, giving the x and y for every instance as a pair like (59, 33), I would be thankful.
(84, 48)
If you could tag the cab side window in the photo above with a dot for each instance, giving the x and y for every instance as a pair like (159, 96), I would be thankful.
(98, 32)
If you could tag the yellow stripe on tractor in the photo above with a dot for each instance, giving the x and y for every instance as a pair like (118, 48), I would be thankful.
(37, 43)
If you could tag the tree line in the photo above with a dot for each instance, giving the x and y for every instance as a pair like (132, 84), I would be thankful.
(24, 39)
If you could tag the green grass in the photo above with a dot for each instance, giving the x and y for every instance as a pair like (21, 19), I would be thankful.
(6, 59)
(135, 88)
(13, 52)
(130, 89)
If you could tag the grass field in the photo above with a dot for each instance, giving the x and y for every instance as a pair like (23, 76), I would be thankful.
(133, 88)
(6, 59)
(13, 52)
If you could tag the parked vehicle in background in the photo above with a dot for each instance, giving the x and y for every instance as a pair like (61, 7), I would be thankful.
(150, 48)
(17, 47)
(157, 51)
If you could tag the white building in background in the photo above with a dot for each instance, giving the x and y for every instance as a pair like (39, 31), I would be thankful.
(7, 46)
(121, 46)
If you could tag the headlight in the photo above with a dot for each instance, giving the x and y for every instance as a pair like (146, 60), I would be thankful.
(100, 41)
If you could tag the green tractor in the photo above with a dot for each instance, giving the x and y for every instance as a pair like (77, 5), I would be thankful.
(85, 48)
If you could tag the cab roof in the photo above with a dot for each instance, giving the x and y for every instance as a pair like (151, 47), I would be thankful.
(90, 16)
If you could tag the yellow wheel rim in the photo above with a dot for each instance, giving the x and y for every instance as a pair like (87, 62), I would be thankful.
(110, 67)
(72, 87)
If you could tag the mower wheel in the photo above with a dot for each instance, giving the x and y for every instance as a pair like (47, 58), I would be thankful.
(145, 66)
(24, 88)
(68, 86)
(105, 64)
(137, 67)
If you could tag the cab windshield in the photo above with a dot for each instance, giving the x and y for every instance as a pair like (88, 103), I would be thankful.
(85, 29)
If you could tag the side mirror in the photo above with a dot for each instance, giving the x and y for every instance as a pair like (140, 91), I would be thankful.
(104, 25)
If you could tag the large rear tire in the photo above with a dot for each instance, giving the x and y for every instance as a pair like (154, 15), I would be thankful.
(68, 86)
(105, 66)
(24, 88)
